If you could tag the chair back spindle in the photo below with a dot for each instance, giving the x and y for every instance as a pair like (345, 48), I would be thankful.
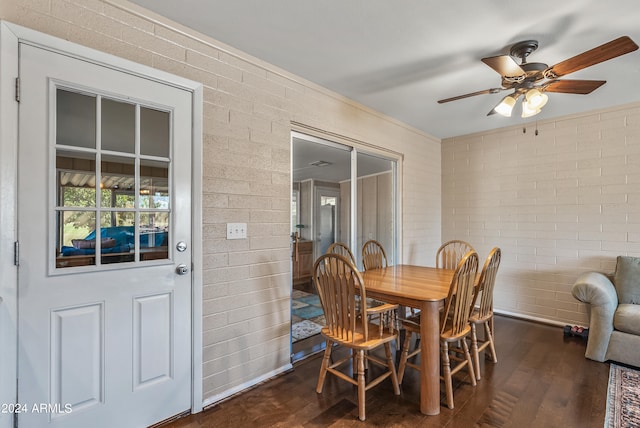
(373, 255)
(342, 249)
(451, 252)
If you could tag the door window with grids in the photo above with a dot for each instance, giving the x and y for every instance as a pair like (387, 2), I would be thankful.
(112, 185)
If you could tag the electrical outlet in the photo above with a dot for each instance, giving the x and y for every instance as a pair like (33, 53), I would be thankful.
(236, 230)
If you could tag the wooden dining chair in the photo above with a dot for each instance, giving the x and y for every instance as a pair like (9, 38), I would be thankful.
(351, 325)
(343, 249)
(454, 327)
(373, 255)
(450, 253)
(483, 309)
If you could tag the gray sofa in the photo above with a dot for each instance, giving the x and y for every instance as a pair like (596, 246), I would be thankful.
(614, 312)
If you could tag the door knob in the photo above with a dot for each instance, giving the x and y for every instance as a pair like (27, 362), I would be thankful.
(182, 269)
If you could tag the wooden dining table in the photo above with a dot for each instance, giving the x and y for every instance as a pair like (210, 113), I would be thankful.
(423, 288)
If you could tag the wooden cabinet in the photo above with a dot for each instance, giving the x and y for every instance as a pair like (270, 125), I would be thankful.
(302, 257)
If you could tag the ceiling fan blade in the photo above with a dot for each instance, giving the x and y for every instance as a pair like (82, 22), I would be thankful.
(504, 65)
(472, 94)
(574, 86)
(610, 50)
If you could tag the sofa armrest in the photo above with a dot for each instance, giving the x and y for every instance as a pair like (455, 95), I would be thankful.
(598, 291)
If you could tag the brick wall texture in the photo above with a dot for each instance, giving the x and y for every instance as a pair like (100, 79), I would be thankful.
(557, 203)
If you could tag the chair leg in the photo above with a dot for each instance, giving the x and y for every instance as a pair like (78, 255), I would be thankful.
(474, 350)
(403, 358)
(446, 374)
(323, 367)
(392, 368)
(492, 348)
(467, 355)
(402, 336)
(354, 363)
(399, 315)
(361, 386)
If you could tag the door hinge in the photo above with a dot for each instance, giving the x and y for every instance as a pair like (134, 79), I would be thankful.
(16, 253)
(17, 89)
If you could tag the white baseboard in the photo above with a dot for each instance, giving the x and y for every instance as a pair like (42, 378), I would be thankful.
(529, 318)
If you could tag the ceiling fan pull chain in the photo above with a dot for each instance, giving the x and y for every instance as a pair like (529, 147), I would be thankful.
(524, 129)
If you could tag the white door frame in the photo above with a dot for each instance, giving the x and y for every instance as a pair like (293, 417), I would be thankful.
(10, 37)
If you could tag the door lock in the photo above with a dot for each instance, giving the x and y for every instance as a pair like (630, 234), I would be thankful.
(182, 269)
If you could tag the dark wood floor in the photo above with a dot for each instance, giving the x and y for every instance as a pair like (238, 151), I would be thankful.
(541, 380)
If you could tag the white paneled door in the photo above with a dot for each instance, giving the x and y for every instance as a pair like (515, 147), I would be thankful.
(104, 207)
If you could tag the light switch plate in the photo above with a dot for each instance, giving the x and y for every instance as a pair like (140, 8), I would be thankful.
(236, 230)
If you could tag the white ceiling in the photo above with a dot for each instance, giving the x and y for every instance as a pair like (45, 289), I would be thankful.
(401, 56)
(335, 162)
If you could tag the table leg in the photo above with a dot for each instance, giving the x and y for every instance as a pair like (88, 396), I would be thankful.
(429, 359)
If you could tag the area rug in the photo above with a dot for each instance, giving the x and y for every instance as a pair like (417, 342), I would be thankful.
(623, 398)
(307, 317)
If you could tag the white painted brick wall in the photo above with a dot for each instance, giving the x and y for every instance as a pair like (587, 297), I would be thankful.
(558, 204)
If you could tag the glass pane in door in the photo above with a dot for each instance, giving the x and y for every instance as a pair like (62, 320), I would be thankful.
(154, 184)
(76, 244)
(117, 182)
(75, 119)
(154, 235)
(154, 132)
(75, 179)
(117, 236)
(118, 126)
(154, 197)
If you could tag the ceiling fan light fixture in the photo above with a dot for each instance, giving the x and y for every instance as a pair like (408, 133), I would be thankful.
(528, 110)
(536, 99)
(506, 106)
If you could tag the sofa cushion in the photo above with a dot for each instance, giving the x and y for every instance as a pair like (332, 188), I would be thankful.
(627, 319)
(627, 279)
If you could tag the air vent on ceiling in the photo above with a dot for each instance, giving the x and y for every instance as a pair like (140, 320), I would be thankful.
(320, 163)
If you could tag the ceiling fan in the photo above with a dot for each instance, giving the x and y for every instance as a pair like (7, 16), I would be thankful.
(530, 80)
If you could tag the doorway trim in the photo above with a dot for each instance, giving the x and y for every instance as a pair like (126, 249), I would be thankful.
(309, 132)
(11, 35)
